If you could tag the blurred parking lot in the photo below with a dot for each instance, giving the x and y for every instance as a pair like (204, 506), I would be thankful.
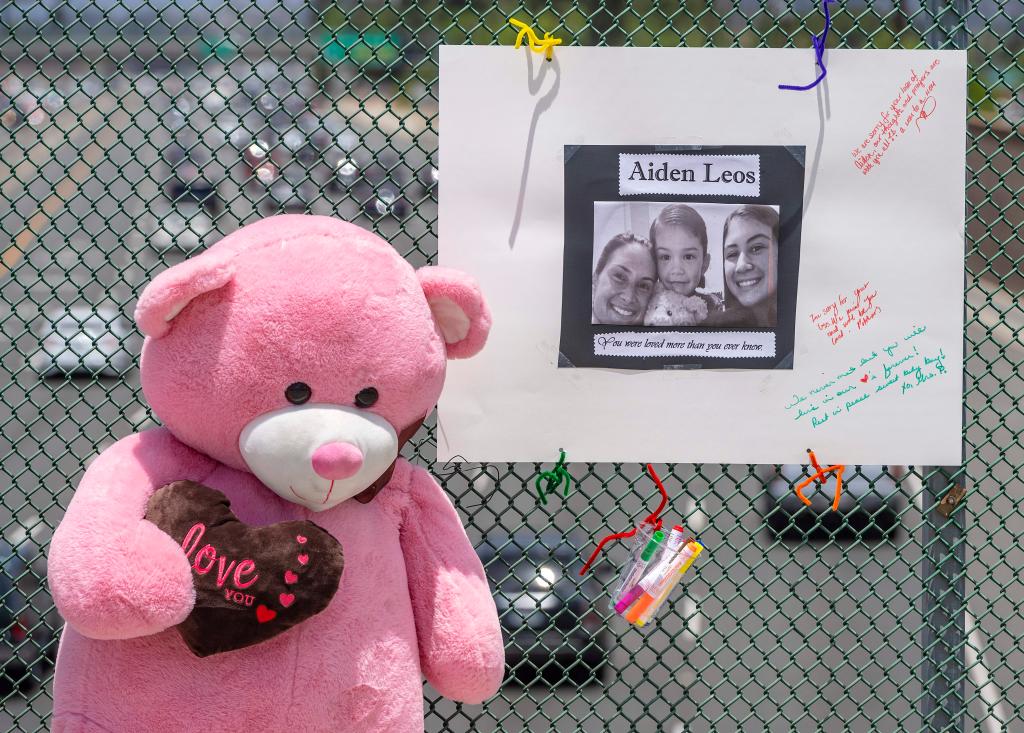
(112, 170)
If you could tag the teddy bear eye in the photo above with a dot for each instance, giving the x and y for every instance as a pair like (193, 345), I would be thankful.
(298, 393)
(366, 397)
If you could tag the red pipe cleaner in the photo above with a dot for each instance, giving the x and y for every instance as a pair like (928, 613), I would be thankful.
(651, 518)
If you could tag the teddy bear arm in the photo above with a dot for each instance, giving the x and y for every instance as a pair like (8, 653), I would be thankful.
(113, 574)
(461, 650)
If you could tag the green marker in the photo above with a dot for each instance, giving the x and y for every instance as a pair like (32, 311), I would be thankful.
(655, 541)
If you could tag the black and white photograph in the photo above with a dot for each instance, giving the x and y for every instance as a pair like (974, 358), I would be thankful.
(681, 258)
(658, 264)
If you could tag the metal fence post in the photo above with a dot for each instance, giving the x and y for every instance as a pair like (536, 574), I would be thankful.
(944, 604)
(943, 536)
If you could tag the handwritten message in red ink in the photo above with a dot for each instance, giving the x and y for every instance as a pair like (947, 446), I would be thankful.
(847, 313)
(911, 107)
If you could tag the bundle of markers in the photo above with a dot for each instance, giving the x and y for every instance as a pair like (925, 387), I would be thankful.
(655, 568)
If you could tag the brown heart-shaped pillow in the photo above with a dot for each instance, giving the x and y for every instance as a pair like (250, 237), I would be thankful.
(252, 583)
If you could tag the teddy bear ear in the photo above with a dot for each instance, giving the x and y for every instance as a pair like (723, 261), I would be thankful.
(173, 289)
(459, 309)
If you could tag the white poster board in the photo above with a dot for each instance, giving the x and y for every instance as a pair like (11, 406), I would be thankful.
(861, 354)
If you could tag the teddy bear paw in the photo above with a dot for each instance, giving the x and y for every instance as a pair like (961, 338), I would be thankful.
(136, 587)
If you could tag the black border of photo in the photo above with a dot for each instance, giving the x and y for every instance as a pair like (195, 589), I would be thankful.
(592, 175)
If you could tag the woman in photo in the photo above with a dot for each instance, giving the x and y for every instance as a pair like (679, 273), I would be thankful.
(623, 281)
(679, 237)
(750, 259)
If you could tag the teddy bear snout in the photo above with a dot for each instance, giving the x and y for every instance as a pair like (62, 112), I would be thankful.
(337, 460)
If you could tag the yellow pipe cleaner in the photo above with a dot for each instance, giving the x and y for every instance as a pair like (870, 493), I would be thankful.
(543, 45)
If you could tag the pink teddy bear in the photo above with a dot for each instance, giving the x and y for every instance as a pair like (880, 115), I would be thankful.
(288, 363)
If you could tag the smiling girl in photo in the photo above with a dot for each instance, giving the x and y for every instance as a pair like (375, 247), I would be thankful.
(751, 255)
(680, 240)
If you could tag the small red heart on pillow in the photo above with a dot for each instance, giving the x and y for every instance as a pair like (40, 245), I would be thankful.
(251, 582)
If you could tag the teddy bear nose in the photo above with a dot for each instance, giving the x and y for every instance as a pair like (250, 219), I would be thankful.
(337, 460)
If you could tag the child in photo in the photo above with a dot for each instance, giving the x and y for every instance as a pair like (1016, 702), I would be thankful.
(679, 237)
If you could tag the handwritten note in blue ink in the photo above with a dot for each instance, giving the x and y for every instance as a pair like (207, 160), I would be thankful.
(894, 368)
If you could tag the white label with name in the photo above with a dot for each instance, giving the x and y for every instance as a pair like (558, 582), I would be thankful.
(689, 175)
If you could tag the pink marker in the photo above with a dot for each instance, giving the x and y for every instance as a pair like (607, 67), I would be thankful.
(627, 600)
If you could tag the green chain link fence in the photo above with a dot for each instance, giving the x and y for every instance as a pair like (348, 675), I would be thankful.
(135, 133)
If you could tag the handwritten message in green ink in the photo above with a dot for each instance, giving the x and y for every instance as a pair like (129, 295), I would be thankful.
(895, 368)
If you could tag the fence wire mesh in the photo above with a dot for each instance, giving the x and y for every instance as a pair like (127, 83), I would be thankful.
(135, 134)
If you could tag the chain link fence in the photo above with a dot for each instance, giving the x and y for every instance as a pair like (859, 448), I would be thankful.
(136, 133)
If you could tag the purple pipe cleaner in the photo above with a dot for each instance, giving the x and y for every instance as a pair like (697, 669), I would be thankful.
(819, 51)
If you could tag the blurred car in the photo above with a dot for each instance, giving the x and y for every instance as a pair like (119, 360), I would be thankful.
(870, 505)
(386, 201)
(428, 178)
(549, 615)
(182, 225)
(188, 180)
(83, 341)
(183, 218)
(29, 641)
(284, 198)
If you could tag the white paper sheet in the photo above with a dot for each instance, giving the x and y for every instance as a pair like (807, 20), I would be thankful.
(881, 270)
